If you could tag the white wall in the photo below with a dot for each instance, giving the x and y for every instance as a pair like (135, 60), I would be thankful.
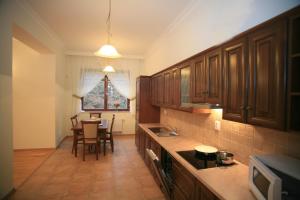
(16, 12)
(6, 182)
(33, 98)
(206, 23)
(60, 98)
(125, 121)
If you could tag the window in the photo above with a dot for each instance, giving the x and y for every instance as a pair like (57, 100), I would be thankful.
(104, 97)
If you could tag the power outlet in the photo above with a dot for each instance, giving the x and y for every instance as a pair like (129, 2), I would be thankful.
(217, 125)
(165, 112)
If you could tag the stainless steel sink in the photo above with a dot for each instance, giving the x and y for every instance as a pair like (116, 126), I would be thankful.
(163, 132)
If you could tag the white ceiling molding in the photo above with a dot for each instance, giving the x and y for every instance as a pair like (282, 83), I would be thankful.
(77, 53)
(27, 8)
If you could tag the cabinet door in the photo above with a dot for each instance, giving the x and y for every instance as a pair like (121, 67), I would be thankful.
(213, 73)
(167, 91)
(137, 137)
(234, 82)
(142, 143)
(160, 88)
(153, 91)
(177, 194)
(199, 86)
(185, 83)
(266, 99)
(202, 193)
(183, 180)
(175, 88)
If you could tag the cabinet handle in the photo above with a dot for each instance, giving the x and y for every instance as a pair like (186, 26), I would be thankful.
(249, 108)
(242, 107)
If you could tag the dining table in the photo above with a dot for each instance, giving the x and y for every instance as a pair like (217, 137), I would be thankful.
(103, 126)
(78, 130)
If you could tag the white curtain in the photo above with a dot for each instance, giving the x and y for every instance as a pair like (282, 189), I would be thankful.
(121, 81)
(89, 78)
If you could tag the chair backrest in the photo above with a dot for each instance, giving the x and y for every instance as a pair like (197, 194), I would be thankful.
(96, 114)
(156, 164)
(112, 124)
(74, 120)
(90, 129)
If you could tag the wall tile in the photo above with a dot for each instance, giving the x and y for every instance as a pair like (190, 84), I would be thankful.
(241, 139)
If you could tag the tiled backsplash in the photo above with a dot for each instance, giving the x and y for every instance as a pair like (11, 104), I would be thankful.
(241, 139)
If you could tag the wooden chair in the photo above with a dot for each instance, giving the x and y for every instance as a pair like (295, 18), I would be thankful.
(77, 136)
(165, 184)
(95, 114)
(90, 136)
(108, 136)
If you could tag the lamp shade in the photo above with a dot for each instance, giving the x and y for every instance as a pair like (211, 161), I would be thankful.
(108, 68)
(108, 51)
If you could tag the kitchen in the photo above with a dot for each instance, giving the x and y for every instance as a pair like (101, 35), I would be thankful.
(230, 96)
(199, 104)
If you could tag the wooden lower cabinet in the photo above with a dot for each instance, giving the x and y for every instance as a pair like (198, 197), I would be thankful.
(185, 185)
(142, 141)
(202, 193)
(184, 182)
(177, 194)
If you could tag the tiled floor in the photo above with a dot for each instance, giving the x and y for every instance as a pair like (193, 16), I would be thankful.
(26, 161)
(121, 175)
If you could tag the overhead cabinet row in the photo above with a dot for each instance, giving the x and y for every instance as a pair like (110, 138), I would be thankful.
(245, 76)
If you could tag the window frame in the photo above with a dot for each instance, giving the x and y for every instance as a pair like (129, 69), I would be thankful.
(106, 100)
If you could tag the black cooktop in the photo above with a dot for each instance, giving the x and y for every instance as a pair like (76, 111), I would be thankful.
(199, 160)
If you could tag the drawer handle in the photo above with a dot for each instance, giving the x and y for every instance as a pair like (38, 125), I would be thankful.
(249, 108)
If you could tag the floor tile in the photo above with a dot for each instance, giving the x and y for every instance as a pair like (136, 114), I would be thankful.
(121, 175)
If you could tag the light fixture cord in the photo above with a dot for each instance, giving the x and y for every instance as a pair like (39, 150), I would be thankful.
(108, 23)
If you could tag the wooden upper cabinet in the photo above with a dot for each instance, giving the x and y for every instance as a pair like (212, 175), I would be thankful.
(206, 78)
(175, 87)
(167, 88)
(214, 79)
(199, 86)
(234, 80)
(266, 98)
(160, 88)
(185, 83)
(153, 91)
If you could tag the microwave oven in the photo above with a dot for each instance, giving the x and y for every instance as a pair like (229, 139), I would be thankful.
(274, 177)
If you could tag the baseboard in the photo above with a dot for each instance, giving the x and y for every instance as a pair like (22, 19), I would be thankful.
(62, 141)
(8, 196)
(31, 149)
(121, 133)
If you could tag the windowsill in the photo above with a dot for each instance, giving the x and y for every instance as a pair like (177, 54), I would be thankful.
(107, 111)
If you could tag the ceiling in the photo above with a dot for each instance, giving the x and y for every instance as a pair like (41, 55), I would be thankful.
(81, 24)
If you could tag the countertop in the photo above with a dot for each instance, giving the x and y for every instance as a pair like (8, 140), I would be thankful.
(228, 183)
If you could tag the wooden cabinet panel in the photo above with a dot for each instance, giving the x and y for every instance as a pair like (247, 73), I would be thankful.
(202, 193)
(145, 111)
(183, 180)
(213, 68)
(199, 80)
(177, 194)
(266, 97)
(167, 91)
(175, 88)
(142, 143)
(185, 83)
(137, 137)
(153, 91)
(160, 88)
(234, 82)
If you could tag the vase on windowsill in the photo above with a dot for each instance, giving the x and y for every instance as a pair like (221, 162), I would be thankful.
(117, 105)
